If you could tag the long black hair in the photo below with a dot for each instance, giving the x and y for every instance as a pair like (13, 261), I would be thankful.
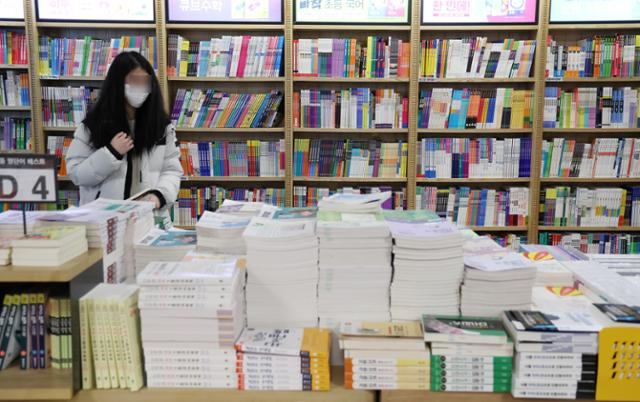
(108, 116)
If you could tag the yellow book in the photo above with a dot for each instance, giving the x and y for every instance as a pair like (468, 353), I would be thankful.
(184, 57)
(118, 343)
(55, 338)
(86, 348)
(131, 338)
(68, 341)
(367, 71)
(104, 316)
(253, 110)
(311, 342)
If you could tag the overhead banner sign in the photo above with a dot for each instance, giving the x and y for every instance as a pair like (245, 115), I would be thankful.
(479, 12)
(352, 11)
(11, 10)
(92, 10)
(225, 11)
(594, 11)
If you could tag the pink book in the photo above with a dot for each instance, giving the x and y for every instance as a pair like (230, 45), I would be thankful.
(243, 55)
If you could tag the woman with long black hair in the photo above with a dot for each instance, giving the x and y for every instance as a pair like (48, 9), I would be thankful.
(126, 144)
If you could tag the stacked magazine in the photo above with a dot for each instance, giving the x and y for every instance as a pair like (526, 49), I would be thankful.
(159, 245)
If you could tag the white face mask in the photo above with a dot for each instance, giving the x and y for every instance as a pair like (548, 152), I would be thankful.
(135, 94)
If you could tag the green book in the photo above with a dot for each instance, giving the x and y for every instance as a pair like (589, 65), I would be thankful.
(461, 329)
(411, 216)
(469, 386)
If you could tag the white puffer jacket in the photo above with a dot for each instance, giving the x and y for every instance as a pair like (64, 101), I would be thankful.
(99, 173)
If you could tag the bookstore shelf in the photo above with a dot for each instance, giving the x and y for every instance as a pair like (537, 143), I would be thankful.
(430, 396)
(33, 385)
(11, 24)
(350, 179)
(352, 130)
(352, 80)
(15, 108)
(95, 25)
(477, 80)
(500, 28)
(228, 130)
(58, 129)
(225, 27)
(72, 78)
(225, 79)
(499, 228)
(14, 66)
(592, 130)
(590, 180)
(593, 27)
(64, 273)
(591, 80)
(589, 229)
(474, 180)
(499, 131)
(314, 27)
(250, 179)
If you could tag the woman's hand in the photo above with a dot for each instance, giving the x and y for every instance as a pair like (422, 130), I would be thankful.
(150, 197)
(122, 143)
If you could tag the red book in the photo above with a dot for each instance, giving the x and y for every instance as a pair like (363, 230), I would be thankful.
(242, 61)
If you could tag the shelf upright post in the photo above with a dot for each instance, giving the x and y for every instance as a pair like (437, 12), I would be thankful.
(161, 40)
(288, 100)
(414, 93)
(31, 31)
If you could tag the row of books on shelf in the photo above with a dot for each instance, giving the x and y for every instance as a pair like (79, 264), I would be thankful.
(67, 106)
(473, 158)
(58, 145)
(16, 134)
(35, 329)
(13, 47)
(377, 57)
(197, 108)
(603, 157)
(89, 56)
(594, 243)
(14, 89)
(590, 107)
(350, 108)
(476, 57)
(468, 108)
(590, 207)
(233, 158)
(466, 206)
(349, 158)
(597, 56)
(227, 56)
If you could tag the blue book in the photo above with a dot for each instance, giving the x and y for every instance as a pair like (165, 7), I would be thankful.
(278, 64)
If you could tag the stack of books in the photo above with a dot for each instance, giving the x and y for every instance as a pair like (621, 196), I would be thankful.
(49, 246)
(350, 108)
(159, 245)
(293, 359)
(282, 273)
(191, 315)
(228, 56)
(383, 355)
(594, 243)
(66, 106)
(469, 108)
(427, 266)
(468, 354)
(5, 250)
(496, 281)
(14, 46)
(308, 196)
(221, 233)
(110, 338)
(14, 89)
(11, 222)
(15, 133)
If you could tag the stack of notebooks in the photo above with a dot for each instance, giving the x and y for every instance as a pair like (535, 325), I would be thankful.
(282, 268)
(49, 246)
(495, 282)
(109, 331)
(383, 355)
(468, 354)
(191, 315)
(294, 359)
(427, 266)
(159, 245)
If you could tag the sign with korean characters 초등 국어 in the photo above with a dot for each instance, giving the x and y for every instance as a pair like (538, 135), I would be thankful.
(352, 11)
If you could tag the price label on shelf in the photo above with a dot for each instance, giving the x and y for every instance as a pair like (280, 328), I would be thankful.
(28, 178)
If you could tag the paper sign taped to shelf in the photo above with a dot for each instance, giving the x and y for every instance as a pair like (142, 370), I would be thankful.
(28, 178)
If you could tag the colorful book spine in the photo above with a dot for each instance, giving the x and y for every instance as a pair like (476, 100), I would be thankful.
(192, 202)
(58, 146)
(350, 108)
(476, 58)
(16, 134)
(590, 207)
(512, 241)
(14, 89)
(89, 56)
(473, 158)
(374, 57)
(13, 47)
(66, 106)
(467, 108)
(228, 56)
(467, 207)
(594, 243)
(197, 108)
(349, 158)
(304, 196)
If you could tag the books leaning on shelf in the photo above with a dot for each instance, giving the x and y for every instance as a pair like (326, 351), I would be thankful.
(287, 359)
(465, 206)
(304, 196)
(49, 246)
(159, 245)
(349, 158)
(90, 57)
(364, 108)
(376, 57)
(14, 89)
(383, 355)
(110, 338)
(469, 108)
(474, 158)
(476, 58)
(233, 158)
(510, 241)
(14, 47)
(191, 315)
(59, 145)
(16, 133)
(596, 56)
(601, 107)
(603, 157)
(228, 56)
(468, 353)
(66, 106)
(594, 243)
(197, 108)
(595, 207)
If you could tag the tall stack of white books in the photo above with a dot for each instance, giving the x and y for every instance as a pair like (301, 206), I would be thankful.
(282, 273)
(427, 268)
(191, 315)
(159, 245)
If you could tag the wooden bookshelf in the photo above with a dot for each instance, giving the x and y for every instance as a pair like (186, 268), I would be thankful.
(14, 66)
(489, 229)
(463, 181)
(232, 179)
(589, 229)
(593, 181)
(35, 385)
(72, 78)
(224, 27)
(353, 80)
(97, 25)
(349, 179)
(592, 130)
(58, 129)
(593, 27)
(12, 24)
(483, 28)
(352, 130)
(471, 131)
(230, 130)
(354, 27)
(15, 108)
(591, 80)
(63, 273)
(506, 81)
(225, 79)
